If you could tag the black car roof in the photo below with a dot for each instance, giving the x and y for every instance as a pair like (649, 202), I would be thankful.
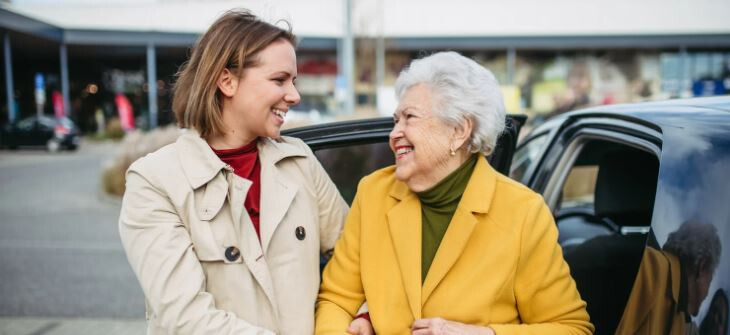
(674, 112)
(719, 103)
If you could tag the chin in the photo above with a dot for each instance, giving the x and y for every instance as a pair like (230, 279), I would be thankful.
(273, 133)
(400, 174)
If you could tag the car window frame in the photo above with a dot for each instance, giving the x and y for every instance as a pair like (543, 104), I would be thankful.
(565, 133)
(575, 145)
(375, 130)
(546, 135)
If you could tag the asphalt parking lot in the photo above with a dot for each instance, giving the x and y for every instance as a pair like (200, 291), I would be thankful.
(63, 267)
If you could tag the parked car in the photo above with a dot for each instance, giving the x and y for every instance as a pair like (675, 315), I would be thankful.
(619, 179)
(52, 133)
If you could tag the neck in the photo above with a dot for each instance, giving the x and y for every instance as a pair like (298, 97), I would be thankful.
(234, 136)
(438, 173)
(230, 140)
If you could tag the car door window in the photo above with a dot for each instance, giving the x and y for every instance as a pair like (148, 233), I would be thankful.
(26, 125)
(526, 157)
(46, 124)
(603, 196)
(346, 165)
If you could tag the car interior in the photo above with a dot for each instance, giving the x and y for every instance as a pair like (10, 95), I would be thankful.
(604, 233)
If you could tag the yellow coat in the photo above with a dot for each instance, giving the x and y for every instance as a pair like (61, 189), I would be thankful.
(499, 263)
(653, 305)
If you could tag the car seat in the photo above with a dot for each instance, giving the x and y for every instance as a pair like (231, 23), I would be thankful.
(605, 267)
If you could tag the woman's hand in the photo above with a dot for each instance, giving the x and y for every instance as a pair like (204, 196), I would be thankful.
(361, 326)
(439, 326)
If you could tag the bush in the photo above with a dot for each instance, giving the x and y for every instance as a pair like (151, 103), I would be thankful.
(134, 145)
(114, 129)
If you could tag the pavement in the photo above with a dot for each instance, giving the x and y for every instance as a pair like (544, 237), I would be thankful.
(62, 267)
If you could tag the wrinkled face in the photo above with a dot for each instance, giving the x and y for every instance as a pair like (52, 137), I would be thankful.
(697, 290)
(419, 140)
(266, 91)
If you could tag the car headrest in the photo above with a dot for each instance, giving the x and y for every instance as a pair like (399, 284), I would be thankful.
(626, 187)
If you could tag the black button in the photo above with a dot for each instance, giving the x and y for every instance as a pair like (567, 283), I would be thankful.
(232, 254)
(301, 233)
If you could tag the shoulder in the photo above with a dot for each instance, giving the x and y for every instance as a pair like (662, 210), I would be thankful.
(293, 146)
(159, 165)
(162, 158)
(511, 193)
(379, 180)
(289, 140)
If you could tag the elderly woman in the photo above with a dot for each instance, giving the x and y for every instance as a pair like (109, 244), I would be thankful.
(441, 243)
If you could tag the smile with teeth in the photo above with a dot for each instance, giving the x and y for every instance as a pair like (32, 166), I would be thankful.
(402, 151)
(280, 113)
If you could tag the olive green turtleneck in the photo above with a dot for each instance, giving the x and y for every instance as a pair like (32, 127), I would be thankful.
(438, 205)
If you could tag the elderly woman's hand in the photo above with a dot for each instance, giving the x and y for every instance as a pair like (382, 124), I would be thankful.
(361, 326)
(439, 326)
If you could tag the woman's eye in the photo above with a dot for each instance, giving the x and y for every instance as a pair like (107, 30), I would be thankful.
(279, 81)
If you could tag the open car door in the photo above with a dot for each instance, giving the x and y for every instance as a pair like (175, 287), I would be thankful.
(351, 150)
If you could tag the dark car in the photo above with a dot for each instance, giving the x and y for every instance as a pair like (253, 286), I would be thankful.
(626, 184)
(52, 133)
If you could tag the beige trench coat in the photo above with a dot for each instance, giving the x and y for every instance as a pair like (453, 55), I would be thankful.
(183, 208)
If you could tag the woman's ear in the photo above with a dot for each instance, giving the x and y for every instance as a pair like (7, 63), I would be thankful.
(227, 83)
(462, 132)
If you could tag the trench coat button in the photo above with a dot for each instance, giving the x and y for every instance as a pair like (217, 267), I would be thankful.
(232, 254)
(300, 233)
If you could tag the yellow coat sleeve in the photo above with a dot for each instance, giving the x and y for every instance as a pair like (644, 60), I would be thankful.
(341, 293)
(547, 298)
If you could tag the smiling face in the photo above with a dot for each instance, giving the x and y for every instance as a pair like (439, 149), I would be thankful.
(255, 104)
(422, 142)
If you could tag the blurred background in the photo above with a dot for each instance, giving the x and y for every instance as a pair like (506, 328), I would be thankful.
(85, 89)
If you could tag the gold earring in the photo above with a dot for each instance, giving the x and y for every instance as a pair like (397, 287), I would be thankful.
(453, 153)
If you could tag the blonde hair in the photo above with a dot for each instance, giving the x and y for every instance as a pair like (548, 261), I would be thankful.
(232, 42)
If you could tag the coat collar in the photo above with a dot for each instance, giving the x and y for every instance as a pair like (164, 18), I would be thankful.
(201, 164)
(477, 195)
(404, 223)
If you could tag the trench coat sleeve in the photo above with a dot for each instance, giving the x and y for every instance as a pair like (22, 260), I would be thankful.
(160, 251)
(332, 208)
(547, 298)
(341, 293)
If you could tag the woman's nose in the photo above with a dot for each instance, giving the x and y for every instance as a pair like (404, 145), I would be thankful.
(292, 96)
(397, 131)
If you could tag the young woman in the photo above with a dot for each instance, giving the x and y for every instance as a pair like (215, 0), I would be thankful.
(224, 227)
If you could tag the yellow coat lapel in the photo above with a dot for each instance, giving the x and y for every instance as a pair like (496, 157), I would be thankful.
(475, 201)
(404, 223)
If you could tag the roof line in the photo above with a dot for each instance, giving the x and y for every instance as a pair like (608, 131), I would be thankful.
(561, 42)
(21, 23)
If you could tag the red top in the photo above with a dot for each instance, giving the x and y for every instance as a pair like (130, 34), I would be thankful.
(245, 163)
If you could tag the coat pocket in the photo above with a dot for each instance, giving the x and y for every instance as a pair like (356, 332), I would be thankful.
(211, 248)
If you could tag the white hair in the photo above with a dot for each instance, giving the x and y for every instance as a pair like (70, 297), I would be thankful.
(695, 244)
(462, 89)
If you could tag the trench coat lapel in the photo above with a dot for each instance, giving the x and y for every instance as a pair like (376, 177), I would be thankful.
(277, 191)
(475, 201)
(197, 159)
(404, 224)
